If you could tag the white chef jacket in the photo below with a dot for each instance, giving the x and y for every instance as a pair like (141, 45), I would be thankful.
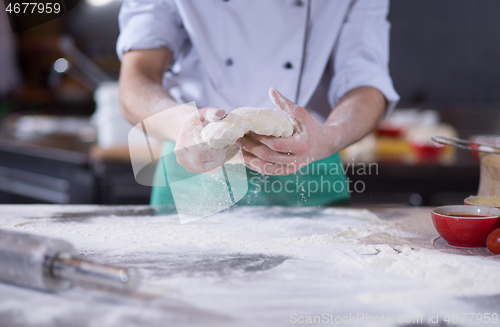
(228, 53)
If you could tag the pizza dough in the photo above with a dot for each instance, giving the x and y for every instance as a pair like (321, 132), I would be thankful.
(236, 124)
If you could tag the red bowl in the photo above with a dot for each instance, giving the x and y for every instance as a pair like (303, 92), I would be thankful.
(427, 153)
(388, 129)
(469, 201)
(465, 225)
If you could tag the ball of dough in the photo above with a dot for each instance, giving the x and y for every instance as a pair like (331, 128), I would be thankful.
(263, 121)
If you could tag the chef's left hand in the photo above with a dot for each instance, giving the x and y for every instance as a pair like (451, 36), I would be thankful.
(311, 141)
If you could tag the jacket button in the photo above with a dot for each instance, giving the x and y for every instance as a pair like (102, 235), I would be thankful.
(299, 3)
(229, 62)
(288, 65)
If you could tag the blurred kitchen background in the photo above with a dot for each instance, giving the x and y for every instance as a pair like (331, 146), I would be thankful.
(54, 77)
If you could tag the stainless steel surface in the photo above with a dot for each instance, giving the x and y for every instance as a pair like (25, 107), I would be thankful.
(80, 271)
(50, 264)
(25, 260)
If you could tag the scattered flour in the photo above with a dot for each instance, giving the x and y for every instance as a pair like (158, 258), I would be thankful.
(336, 259)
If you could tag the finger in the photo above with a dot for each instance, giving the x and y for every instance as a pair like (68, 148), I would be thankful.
(183, 161)
(255, 163)
(191, 129)
(282, 102)
(192, 164)
(204, 154)
(199, 157)
(281, 144)
(211, 114)
(292, 109)
(192, 153)
(265, 167)
(265, 153)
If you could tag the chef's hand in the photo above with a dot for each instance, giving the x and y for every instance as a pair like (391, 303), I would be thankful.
(271, 155)
(192, 152)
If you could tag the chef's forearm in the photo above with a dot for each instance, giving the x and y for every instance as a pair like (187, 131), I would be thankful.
(142, 94)
(356, 115)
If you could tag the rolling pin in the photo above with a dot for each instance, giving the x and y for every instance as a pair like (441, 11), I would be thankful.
(51, 264)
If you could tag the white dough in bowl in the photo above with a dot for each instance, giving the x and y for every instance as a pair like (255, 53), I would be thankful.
(263, 121)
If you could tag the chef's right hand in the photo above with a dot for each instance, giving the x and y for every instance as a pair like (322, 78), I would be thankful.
(192, 152)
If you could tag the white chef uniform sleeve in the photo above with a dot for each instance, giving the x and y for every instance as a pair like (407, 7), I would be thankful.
(361, 56)
(150, 24)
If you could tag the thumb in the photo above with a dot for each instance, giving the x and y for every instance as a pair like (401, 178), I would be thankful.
(211, 114)
(291, 108)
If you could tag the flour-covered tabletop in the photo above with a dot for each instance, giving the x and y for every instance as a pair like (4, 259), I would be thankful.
(260, 266)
